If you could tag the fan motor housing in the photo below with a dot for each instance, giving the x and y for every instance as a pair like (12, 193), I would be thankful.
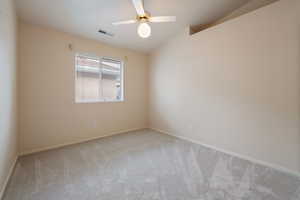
(144, 18)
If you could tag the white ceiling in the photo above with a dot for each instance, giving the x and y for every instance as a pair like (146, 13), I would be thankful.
(85, 17)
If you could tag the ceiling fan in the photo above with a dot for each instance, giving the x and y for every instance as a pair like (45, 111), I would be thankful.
(144, 18)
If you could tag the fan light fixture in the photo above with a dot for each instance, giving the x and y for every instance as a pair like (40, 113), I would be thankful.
(144, 30)
(143, 17)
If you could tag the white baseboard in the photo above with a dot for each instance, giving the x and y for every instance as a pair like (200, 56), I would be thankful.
(12, 167)
(263, 163)
(76, 142)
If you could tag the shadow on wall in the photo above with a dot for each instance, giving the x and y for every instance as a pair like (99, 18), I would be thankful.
(299, 92)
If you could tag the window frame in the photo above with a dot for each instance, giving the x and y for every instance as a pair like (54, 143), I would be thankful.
(100, 58)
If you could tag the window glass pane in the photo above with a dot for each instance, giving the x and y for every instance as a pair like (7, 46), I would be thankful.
(88, 83)
(111, 80)
(98, 79)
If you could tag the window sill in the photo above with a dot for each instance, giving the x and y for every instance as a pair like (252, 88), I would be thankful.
(100, 101)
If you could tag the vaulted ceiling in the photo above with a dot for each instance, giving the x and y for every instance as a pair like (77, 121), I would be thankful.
(86, 17)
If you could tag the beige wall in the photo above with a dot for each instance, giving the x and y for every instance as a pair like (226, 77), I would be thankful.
(48, 115)
(234, 86)
(8, 146)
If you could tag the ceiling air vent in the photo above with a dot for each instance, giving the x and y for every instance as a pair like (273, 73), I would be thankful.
(105, 32)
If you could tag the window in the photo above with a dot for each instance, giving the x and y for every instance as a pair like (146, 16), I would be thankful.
(98, 79)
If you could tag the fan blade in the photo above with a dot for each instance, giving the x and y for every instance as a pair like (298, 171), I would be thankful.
(163, 19)
(139, 7)
(125, 22)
